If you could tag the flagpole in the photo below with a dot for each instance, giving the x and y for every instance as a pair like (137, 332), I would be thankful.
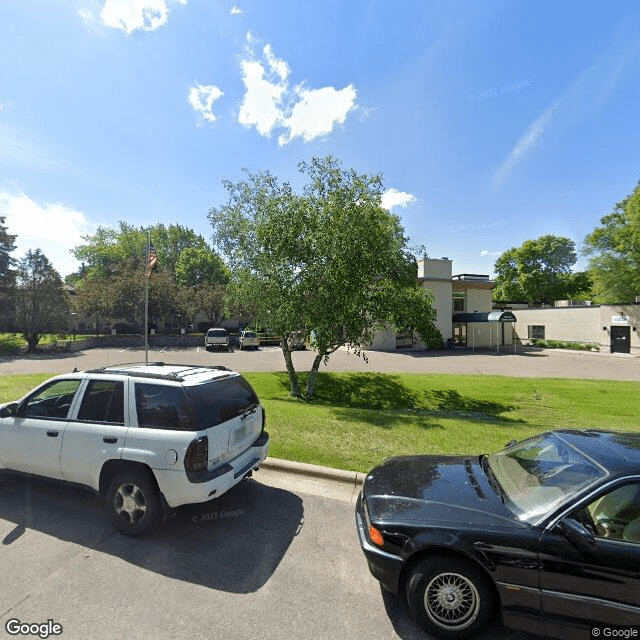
(146, 301)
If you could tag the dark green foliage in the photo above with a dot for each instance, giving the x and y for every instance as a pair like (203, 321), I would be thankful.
(539, 271)
(189, 277)
(7, 274)
(614, 250)
(41, 303)
(560, 344)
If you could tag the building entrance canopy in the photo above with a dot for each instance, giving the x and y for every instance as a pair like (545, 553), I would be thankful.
(485, 316)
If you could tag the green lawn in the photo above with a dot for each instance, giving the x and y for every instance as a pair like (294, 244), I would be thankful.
(359, 419)
(12, 342)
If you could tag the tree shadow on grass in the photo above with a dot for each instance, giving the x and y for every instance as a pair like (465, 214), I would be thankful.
(358, 390)
(388, 419)
(449, 402)
(383, 399)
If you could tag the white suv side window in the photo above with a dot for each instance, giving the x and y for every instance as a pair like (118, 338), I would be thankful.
(103, 401)
(53, 401)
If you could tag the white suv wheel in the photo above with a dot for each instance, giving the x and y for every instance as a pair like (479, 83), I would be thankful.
(133, 502)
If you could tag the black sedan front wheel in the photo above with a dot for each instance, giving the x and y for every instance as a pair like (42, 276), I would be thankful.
(449, 597)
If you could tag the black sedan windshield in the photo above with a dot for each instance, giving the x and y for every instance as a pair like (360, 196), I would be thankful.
(539, 474)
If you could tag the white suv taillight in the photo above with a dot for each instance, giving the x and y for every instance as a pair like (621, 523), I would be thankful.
(197, 457)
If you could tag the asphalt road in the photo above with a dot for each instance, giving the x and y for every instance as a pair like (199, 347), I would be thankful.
(260, 562)
(529, 363)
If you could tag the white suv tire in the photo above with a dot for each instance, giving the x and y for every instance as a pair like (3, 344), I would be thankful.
(133, 502)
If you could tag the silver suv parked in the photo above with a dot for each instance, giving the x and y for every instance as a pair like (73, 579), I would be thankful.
(147, 438)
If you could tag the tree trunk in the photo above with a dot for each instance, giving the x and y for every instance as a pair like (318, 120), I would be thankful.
(32, 341)
(293, 376)
(313, 374)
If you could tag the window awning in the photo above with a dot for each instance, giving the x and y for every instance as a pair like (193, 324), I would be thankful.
(485, 316)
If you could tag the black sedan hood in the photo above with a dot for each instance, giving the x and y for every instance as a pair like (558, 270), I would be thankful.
(434, 490)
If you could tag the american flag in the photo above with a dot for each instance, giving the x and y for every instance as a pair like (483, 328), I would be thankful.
(152, 260)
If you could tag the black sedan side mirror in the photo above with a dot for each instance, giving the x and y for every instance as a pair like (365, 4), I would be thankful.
(8, 410)
(578, 535)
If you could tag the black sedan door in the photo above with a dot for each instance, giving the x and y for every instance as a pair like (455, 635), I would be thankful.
(596, 583)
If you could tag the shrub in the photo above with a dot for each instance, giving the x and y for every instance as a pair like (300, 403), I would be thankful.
(559, 344)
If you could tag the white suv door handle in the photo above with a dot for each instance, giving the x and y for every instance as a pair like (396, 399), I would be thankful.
(52, 434)
(110, 439)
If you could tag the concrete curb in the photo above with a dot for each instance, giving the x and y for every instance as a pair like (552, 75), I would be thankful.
(354, 478)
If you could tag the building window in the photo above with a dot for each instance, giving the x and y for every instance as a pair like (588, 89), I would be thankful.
(458, 301)
(535, 332)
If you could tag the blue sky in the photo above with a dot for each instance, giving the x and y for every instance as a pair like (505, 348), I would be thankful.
(492, 122)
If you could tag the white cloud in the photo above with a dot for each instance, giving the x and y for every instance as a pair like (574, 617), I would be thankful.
(129, 15)
(20, 148)
(317, 112)
(261, 106)
(236, 10)
(53, 227)
(277, 66)
(270, 103)
(201, 98)
(490, 254)
(394, 198)
(525, 144)
(89, 19)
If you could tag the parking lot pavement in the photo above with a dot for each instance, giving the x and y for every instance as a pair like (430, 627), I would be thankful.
(555, 363)
(259, 562)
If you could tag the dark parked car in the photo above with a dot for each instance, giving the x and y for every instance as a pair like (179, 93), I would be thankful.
(545, 532)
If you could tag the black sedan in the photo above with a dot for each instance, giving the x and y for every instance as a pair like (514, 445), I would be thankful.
(547, 532)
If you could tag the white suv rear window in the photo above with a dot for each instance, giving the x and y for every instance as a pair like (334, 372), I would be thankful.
(221, 400)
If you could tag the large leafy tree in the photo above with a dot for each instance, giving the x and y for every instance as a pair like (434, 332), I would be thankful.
(329, 261)
(614, 250)
(114, 263)
(122, 294)
(540, 271)
(42, 306)
(202, 277)
(198, 266)
(108, 247)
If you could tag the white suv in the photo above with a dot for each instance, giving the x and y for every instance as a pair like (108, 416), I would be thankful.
(217, 338)
(248, 339)
(148, 438)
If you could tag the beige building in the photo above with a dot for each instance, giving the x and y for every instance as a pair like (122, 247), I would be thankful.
(613, 328)
(463, 305)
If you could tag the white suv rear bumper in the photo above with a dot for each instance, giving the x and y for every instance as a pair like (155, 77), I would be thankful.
(178, 490)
